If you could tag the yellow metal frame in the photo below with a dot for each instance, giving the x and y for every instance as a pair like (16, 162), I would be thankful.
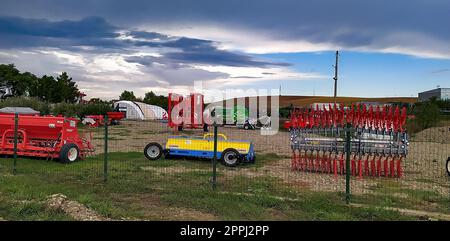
(205, 145)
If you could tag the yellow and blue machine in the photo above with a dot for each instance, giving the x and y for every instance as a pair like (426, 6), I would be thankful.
(231, 152)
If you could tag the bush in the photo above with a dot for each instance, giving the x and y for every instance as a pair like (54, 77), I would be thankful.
(427, 114)
(65, 109)
(81, 110)
(31, 102)
(94, 109)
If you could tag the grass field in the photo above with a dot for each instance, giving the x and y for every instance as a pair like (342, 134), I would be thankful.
(287, 100)
(139, 189)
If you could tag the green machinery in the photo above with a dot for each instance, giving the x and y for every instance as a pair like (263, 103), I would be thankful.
(232, 116)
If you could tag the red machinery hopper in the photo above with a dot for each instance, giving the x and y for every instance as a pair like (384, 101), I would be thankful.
(43, 136)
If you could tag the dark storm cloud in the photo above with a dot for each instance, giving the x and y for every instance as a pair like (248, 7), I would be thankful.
(85, 28)
(23, 32)
(219, 57)
(198, 51)
(19, 32)
(148, 35)
(351, 23)
(205, 52)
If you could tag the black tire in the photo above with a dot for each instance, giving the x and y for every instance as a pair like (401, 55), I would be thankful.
(447, 165)
(69, 153)
(205, 128)
(180, 128)
(153, 151)
(230, 157)
(247, 127)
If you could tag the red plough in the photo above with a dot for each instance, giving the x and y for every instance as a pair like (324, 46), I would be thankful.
(43, 136)
(99, 120)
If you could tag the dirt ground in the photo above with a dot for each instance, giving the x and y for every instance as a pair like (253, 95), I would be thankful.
(76, 210)
(424, 167)
(134, 135)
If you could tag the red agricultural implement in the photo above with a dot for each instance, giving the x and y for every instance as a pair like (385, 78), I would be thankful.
(99, 120)
(186, 112)
(378, 142)
(43, 136)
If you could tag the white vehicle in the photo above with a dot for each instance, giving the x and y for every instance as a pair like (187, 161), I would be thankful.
(5, 92)
(263, 122)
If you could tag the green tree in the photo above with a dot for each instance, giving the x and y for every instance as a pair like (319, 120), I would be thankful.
(427, 113)
(95, 101)
(127, 95)
(46, 89)
(149, 97)
(22, 83)
(152, 99)
(68, 90)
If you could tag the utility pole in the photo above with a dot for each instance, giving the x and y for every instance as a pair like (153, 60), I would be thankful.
(336, 76)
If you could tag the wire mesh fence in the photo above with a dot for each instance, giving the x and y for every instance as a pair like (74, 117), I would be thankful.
(284, 180)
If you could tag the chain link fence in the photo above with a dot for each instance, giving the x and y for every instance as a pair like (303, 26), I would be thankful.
(117, 178)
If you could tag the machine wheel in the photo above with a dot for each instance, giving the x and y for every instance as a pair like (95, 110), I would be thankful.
(69, 153)
(230, 157)
(247, 127)
(153, 151)
(448, 166)
(180, 128)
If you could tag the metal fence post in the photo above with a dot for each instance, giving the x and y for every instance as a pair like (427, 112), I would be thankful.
(214, 160)
(105, 155)
(16, 130)
(347, 162)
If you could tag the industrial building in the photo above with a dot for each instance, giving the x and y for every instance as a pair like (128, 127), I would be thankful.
(439, 93)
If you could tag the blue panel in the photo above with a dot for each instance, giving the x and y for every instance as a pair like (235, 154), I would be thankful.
(191, 153)
(251, 154)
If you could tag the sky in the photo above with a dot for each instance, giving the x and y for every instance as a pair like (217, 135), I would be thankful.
(387, 48)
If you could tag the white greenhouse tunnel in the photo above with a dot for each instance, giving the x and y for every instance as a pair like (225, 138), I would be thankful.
(140, 111)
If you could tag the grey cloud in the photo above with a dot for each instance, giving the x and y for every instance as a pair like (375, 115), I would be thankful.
(200, 51)
(350, 23)
(245, 77)
(20, 32)
(147, 35)
(85, 28)
(93, 31)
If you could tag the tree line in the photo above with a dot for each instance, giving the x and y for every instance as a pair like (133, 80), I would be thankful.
(62, 89)
(46, 88)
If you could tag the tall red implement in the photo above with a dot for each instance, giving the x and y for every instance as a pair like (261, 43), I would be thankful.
(185, 112)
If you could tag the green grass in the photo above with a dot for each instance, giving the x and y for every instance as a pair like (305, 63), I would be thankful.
(391, 193)
(28, 211)
(176, 183)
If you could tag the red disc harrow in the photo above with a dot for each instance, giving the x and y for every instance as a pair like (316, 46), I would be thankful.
(378, 140)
